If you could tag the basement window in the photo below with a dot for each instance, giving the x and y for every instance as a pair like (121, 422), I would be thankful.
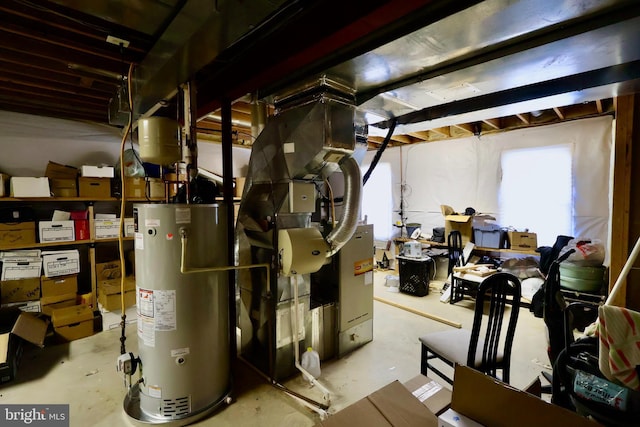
(536, 191)
(377, 199)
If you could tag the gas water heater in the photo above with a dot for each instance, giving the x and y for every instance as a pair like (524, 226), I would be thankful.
(183, 320)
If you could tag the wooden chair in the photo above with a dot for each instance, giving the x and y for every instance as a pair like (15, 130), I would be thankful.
(487, 347)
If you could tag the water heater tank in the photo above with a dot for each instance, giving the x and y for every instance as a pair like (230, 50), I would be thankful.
(183, 319)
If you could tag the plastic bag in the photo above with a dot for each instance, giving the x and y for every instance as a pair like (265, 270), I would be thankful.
(588, 252)
(132, 164)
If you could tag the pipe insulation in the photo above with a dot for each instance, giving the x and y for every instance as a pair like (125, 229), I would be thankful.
(340, 235)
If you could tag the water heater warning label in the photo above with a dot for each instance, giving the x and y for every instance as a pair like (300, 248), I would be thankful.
(165, 310)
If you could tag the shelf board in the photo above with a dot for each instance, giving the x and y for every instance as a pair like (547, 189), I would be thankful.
(63, 243)
(77, 199)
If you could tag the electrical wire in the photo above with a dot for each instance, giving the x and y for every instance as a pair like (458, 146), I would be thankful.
(332, 202)
(122, 206)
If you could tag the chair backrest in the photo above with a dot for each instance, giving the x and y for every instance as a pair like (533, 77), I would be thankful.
(499, 289)
(454, 244)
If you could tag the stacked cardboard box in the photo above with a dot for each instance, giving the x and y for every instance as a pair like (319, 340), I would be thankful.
(63, 180)
(72, 323)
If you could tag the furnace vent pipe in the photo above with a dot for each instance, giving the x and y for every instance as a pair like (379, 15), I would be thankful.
(351, 211)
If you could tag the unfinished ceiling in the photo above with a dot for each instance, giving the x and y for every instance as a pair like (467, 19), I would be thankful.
(438, 69)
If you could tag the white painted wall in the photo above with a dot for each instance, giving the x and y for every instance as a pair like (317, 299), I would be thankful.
(466, 173)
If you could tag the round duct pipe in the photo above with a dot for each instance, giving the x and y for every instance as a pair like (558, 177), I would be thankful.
(348, 222)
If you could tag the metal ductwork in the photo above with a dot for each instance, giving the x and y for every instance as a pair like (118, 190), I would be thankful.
(312, 136)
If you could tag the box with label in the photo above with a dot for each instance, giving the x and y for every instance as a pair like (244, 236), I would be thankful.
(432, 395)
(19, 290)
(29, 187)
(60, 285)
(56, 231)
(17, 234)
(17, 268)
(72, 323)
(95, 188)
(108, 270)
(97, 171)
(523, 241)
(26, 306)
(59, 171)
(63, 187)
(61, 263)
(107, 228)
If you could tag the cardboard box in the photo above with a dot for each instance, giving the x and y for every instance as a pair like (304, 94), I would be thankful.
(392, 405)
(61, 285)
(24, 327)
(491, 402)
(17, 234)
(523, 241)
(113, 302)
(106, 228)
(97, 171)
(108, 270)
(19, 290)
(69, 301)
(113, 286)
(135, 187)
(109, 292)
(432, 395)
(56, 231)
(29, 187)
(64, 187)
(72, 323)
(239, 187)
(461, 223)
(95, 188)
(156, 188)
(4, 184)
(59, 171)
(16, 268)
(61, 263)
(31, 327)
(26, 306)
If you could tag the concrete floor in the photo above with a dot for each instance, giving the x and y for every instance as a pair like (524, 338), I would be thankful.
(82, 373)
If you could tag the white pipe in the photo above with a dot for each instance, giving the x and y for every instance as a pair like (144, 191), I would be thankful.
(623, 274)
(296, 347)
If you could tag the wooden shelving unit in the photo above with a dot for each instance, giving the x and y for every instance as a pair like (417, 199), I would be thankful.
(92, 241)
